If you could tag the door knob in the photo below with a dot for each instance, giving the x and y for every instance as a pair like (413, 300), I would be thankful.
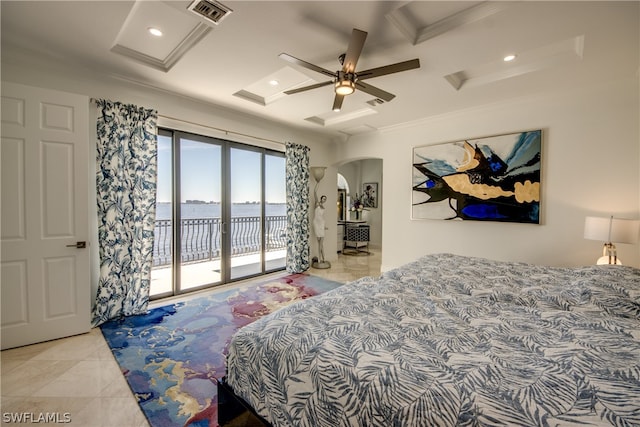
(79, 245)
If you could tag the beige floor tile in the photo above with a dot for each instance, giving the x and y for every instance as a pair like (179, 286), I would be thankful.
(33, 375)
(118, 387)
(351, 267)
(62, 408)
(29, 351)
(8, 365)
(110, 412)
(79, 347)
(87, 378)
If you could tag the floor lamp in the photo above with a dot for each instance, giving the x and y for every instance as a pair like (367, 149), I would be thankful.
(318, 219)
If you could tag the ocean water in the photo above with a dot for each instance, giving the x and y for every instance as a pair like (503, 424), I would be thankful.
(212, 210)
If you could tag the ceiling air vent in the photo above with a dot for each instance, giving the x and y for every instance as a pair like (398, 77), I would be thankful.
(375, 102)
(210, 10)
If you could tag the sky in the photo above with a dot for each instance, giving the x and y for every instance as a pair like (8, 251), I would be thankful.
(201, 173)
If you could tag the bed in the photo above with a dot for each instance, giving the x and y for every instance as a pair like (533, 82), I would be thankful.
(450, 340)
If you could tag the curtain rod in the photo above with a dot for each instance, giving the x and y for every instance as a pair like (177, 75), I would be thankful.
(226, 131)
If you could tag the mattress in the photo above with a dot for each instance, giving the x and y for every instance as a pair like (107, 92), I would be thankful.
(450, 340)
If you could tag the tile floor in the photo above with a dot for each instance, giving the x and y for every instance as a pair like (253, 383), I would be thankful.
(77, 382)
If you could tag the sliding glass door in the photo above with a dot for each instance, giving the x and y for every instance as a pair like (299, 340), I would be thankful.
(275, 209)
(246, 212)
(224, 203)
(199, 216)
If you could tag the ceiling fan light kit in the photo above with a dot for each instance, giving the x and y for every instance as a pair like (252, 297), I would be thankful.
(346, 80)
(345, 87)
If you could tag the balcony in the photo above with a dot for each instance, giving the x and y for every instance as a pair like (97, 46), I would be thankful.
(200, 250)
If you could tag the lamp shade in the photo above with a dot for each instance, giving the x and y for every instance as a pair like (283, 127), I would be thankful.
(317, 172)
(612, 230)
(345, 87)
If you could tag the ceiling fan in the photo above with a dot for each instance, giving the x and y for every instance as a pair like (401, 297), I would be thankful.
(346, 80)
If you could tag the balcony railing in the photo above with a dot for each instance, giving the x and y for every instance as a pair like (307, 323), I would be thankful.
(202, 237)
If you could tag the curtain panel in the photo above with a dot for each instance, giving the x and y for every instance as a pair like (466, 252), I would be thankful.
(297, 184)
(126, 196)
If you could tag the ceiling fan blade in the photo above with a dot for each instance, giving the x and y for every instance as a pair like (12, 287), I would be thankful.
(306, 64)
(372, 90)
(337, 102)
(389, 69)
(305, 88)
(353, 50)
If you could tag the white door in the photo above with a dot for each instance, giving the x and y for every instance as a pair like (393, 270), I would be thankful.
(44, 157)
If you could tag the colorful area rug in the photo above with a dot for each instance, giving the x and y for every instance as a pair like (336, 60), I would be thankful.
(172, 356)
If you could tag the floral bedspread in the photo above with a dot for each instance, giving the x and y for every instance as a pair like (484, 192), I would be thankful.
(450, 340)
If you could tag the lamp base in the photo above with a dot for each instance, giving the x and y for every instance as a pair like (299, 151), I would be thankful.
(609, 255)
(321, 265)
(605, 260)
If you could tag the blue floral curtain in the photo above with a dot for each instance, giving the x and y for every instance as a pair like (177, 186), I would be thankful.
(126, 188)
(297, 177)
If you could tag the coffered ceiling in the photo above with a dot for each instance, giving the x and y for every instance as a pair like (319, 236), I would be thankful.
(234, 63)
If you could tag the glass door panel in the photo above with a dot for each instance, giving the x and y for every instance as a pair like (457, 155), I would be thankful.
(245, 228)
(199, 215)
(275, 219)
(162, 270)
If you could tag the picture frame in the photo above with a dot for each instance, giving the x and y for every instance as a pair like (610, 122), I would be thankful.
(494, 178)
(342, 204)
(370, 194)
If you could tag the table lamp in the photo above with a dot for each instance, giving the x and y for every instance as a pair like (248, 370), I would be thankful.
(610, 230)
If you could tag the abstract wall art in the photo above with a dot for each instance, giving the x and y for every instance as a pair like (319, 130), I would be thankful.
(495, 178)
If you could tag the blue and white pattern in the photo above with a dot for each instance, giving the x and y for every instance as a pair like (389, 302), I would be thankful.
(126, 188)
(297, 182)
(451, 341)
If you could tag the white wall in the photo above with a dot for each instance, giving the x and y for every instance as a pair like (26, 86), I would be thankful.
(590, 166)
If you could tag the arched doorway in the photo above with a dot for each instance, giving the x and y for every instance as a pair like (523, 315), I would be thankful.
(352, 178)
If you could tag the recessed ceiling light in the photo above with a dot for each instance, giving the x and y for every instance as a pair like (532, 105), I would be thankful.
(154, 31)
(274, 82)
(509, 58)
